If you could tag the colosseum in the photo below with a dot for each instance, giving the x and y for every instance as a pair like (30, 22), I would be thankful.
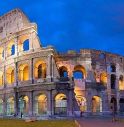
(37, 81)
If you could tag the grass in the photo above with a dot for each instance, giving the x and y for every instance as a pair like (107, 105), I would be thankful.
(42, 123)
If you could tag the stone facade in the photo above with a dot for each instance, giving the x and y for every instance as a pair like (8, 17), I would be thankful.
(37, 81)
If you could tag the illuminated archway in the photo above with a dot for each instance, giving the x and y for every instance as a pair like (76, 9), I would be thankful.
(81, 102)
(41, 104)
(96, 104)
(10, 75)
(121, 82)
(10, 106)
(23, 44)
(63, 71)
(24, 72)
(1, 78)
(24, 105)
(1, 106)
(60, 104)
(40, 69)
(79, 72)
(103, 78)
(11, 48)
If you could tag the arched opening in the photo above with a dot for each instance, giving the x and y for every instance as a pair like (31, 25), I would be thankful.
(60, 104)
(63, 71)
(103, 78)
(121, 82)
(10, 106)
(121, 102)
(81, 103)
(40, 69)
(113, 104)
(1, 106)
(26, 45)
(24, 105)
(113, 68)
(1, 78)
(41, 105)
(13, 49)
(10, 76)
(79, 72)
(113, 81)
(24, 72)
(96, 104)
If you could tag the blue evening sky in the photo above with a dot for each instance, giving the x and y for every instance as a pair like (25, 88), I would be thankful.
(75, 24)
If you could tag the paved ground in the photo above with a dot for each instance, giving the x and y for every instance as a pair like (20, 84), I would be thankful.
(99, 123)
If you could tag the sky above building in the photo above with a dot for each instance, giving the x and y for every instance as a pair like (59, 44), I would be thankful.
(75, 24)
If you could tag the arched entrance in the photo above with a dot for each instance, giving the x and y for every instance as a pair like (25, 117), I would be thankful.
(10, 106)
(24, 105)
(60, 104)
(113, 104)
(121, 102)
(63, 72)
(81, 103)
(96, 104)
(41, 104)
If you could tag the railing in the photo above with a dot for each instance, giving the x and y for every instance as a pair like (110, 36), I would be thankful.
(61, 111)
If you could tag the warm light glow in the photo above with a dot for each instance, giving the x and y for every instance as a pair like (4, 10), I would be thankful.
(23, 72)
(1, 78)
(10, 75)
(121, 83)
(40, 72)
(103, 78)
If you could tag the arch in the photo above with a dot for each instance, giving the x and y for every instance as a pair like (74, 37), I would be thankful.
(113, 104)
(113, 81)
(96, 104)
(40, 69)
(1, 78)
(121, 82)
(10, 106)
(11, 48)
(24, 72)
(24, 105)
(79, 72)
(41, 104)
(81, 102)
(1, 106)
(26, 45)
(10, 75)
(63, 71)
(121, 102)
(112, 68)
(103, 78)
(60, 104)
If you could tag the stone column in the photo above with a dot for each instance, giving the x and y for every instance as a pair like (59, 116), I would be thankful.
(49, 103)
(31, 103)
(31, 71)
(49, 68)
(16, 74)
(70, 103)
(16, 103)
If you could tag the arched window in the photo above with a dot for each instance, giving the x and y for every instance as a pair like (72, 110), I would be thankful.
(13, 49)
(121, 82)
(10, 106)
(96, 104)
(26, 45)
(113, 68)
(24, 105)
(121, 102)
(63, 71)
(60, 104)
(26, 73)
(40, 71)
(103, 78)
(113, 81)
(79, 72)
(41, 104)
